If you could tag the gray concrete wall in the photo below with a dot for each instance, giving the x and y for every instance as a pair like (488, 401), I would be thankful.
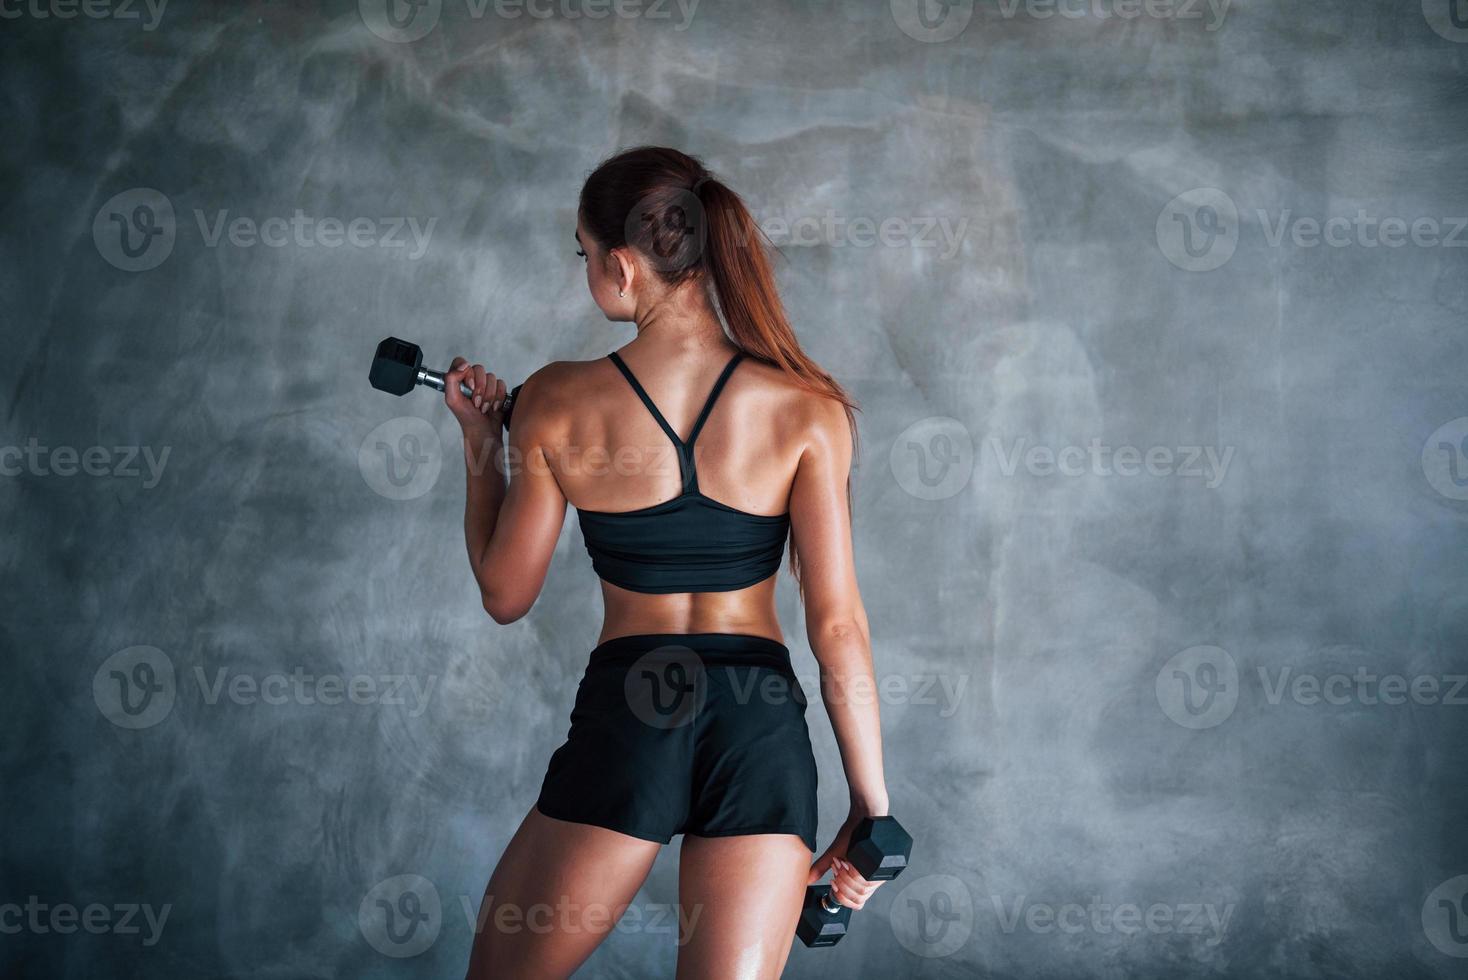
(1160, 490)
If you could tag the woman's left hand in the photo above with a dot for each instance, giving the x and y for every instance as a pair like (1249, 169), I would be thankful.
(848, 886)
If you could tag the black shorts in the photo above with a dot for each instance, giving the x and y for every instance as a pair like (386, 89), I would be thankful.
(700, 733)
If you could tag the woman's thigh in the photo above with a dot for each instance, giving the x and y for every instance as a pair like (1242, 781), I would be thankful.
(557, 891)
(740, 899)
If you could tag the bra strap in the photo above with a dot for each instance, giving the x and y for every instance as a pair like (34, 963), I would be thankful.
(642, 393)
(685, 459)
(683, 449)
(708, 406)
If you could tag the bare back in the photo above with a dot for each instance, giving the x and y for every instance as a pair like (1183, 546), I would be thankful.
(606, 452)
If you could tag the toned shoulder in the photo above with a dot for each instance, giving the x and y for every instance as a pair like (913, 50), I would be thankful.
(555, 386)
(806, 417)
(546, 400)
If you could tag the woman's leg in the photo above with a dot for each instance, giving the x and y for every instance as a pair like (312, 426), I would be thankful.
(558, 889)
(740, 899)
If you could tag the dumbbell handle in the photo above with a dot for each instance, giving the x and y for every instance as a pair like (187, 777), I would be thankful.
(831, 907)
(434, 379)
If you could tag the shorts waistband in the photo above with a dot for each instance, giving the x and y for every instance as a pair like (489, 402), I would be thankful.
(712, 649)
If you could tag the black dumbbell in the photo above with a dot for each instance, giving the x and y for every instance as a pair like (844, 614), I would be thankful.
(397, 368)
(878, 850)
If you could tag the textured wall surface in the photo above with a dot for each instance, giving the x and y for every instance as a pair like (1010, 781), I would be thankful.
(1156, 313)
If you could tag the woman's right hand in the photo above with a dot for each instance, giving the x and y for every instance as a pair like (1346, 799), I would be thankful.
(485, 409)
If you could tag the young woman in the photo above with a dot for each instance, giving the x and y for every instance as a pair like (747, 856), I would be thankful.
(690, 454)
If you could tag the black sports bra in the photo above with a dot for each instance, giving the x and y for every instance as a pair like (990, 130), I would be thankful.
(691, 543)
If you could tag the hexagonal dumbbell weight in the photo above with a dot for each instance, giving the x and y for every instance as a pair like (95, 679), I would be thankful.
(397, 368)
(878, 849)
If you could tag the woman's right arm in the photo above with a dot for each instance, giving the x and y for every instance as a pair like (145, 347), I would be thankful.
(510, 527)
(836, 623)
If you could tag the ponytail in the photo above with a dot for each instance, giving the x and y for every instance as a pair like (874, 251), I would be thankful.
(690, 226)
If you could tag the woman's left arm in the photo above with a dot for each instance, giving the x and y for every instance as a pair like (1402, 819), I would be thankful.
(510, 528)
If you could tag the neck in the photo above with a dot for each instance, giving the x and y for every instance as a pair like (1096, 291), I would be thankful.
(683, 322)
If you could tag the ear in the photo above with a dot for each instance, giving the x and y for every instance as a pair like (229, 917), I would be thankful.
(625, 268)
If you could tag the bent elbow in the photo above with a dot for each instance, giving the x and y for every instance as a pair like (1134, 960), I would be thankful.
(502, 612)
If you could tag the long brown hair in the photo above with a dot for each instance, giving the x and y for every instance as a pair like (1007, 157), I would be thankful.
(691, 226)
